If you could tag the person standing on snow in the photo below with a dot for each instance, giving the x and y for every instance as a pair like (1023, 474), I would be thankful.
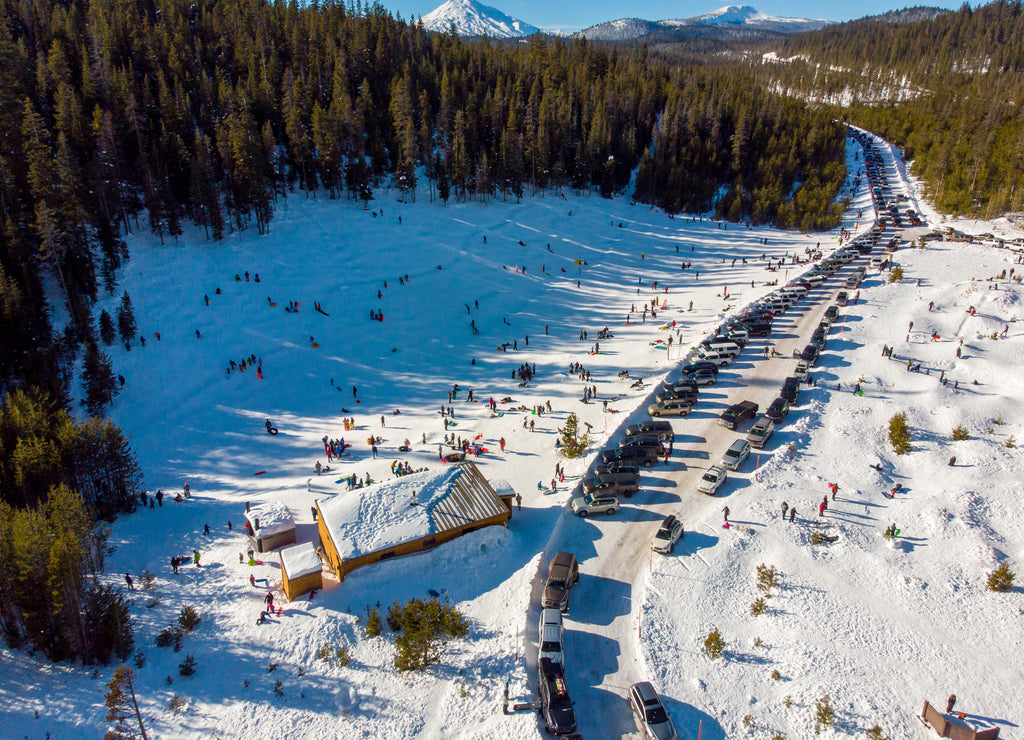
(785, 506)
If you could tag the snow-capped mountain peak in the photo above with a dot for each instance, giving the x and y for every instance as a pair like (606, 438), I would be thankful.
(471, 18)
(725, 20)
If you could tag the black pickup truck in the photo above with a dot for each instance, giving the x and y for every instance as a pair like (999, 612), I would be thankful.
(736, 414)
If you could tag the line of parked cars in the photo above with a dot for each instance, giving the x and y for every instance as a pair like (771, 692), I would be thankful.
(618, 471)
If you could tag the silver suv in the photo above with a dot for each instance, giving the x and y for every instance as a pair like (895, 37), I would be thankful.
(594, 503)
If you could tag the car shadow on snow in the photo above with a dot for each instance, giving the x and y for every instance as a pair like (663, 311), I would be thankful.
(688, 716)
(693, 542)
(599, 600)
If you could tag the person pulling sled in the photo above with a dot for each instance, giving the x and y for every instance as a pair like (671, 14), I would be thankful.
(271, 429)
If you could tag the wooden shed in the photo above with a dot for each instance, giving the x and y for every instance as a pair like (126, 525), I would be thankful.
(411, 514)
(270, 525)
(301, 570)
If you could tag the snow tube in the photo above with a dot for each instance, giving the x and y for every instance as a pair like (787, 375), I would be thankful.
(271, 430)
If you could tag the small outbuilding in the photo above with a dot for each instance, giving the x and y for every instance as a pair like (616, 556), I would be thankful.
(301, 570)
(408, 515)
(270, 525)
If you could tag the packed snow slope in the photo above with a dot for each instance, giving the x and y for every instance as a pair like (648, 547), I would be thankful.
(879, 627)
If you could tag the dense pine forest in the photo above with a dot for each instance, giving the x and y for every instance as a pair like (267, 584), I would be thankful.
(126, 115)
(948, 90)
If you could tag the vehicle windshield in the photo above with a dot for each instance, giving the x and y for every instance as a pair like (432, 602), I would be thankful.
(757, 431)
(551, 646)
(589, 498)
(556, 585)
(711, 477)
(663, 534)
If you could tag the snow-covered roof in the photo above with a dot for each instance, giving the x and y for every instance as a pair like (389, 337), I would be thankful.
(381, 516)
(300, 560)
(274, 517)
(502, 487)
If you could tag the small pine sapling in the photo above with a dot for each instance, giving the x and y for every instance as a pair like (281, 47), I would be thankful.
(758, 607)
(189, 618)
(960, 433)
(1001, 579)
(374, 625)
(823, 715)
(187, 666)
(714, 644)
(278, 691)
(175, 704)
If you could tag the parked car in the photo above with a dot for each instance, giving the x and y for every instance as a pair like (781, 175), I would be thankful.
(736, 414)
(668, 535)
(643, 440)
(790, 389)
(778, 409)
(842, 298)
(832, 313)
(637, 455)
(563, 572)
(551, 637)
(594, 503)
(694, 367)
(614, 484)
(704, 377)
(670, 408)
(555, 704)
(617, 466)
(734, 456)
(662, 428)
(760, 432)
(712, 480)
(810, 353)
(685, 384)
(685, 393)
(711, 355)
(649, 712)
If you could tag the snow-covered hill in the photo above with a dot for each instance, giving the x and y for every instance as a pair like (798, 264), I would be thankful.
(471, 18)
(728, 18)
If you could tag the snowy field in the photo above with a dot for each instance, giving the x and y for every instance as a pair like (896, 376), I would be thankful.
(879, 626)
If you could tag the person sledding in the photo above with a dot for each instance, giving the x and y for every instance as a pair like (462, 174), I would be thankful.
(271, 429)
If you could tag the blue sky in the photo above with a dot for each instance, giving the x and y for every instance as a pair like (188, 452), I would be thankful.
(577, 14)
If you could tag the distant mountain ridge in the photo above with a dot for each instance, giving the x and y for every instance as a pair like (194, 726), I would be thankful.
(728, 19)
(470, 18)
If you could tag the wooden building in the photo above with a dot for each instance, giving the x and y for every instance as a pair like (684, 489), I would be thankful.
(301, 570)
(411, 514)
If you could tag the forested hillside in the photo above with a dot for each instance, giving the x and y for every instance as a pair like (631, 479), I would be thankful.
(948, 89)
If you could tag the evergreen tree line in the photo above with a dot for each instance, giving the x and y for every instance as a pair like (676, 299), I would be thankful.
(947, 90)
(42, 446)
(51, 601)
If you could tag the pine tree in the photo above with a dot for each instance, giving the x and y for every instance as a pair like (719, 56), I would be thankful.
(107, 333)
(574, 444)
(98, 379)
(122, 706)
(126, 319)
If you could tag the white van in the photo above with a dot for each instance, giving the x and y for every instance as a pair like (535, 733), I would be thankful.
(798, 290)
(724, 346)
